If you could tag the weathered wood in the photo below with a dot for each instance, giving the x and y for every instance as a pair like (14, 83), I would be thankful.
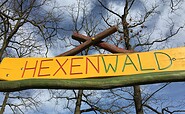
(109, 47)
(93, 84)
(93, 66)
(90, 42)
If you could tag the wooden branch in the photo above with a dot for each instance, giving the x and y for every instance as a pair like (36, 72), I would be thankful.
(90, 42)
(93, 84)
(109, 47)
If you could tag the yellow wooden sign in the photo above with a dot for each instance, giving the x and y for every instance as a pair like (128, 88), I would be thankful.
(70, 67)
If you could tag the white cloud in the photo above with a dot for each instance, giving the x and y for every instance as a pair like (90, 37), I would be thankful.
(66, 2)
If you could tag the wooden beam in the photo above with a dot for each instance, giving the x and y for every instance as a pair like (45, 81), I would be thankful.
(93, 84)
(109, 47)
(90, 42)
(93, 66)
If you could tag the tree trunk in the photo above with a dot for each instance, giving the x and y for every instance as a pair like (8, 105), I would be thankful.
(78, 102)
(138, 100)
(4, 102)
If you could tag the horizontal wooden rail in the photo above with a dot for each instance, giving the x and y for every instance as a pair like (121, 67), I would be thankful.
(93, 84)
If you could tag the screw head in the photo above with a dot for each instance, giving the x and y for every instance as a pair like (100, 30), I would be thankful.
(93, 38)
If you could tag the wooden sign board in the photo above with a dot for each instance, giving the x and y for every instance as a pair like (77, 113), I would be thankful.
(93, 66)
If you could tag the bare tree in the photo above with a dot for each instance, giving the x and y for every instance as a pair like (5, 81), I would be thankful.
(134, 29)
(136, 32)
(27, 29)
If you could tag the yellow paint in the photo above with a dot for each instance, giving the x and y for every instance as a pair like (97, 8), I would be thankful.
(69, 67)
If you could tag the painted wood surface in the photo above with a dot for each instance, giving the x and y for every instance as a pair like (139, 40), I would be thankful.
(94, 66)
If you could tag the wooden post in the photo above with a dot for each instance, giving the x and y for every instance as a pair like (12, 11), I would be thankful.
(109, 47)
(90, 42)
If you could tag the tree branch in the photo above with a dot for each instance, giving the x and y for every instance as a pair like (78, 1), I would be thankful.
(109, 9)
(155, 92)
(154, 110)
(162, 40)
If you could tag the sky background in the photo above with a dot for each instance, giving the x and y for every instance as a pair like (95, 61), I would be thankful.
(158, 24)
(174, 92)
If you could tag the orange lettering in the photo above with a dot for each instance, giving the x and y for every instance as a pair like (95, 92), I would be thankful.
(33, 68)
(89, 61)
(61, 67)
(41, 67)
(76, 65)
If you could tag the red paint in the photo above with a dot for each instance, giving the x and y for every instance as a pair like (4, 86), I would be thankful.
(43, 67)
(60, 67)
(32, 68)
(74, 65)
(89, 61)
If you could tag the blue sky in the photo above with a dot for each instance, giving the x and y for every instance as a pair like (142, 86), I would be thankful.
(158, 26)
